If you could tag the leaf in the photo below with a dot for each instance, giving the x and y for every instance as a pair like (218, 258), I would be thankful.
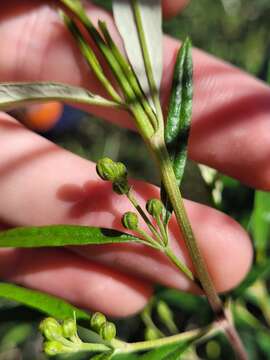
(261, 223)
(179, 117)
(62, 235)
(151, 19)
(18, 94)
(42, 302)
(168, 352)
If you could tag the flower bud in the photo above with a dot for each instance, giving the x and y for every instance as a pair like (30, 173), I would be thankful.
(69, 327)
(97, 320)
(109, 170)
(166, 315)
(130, 221)
(52, 348)
(150, 334)
(108, 331)
(51, 329)
(154, 207)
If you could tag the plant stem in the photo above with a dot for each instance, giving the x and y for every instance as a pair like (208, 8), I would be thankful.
(145, 217)
(172, 189)
(182, 267)
(175, 339)
(147, 63)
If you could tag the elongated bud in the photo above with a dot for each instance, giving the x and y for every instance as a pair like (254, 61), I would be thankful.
(97, 320)
(154, 207)
(108, 331)
(69, 327)
(51, 329)
(166, 315)
(130, 221)
(150, 334)
(52, 348)
(109, 170)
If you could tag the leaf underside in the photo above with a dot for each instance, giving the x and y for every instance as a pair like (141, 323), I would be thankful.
(18, 94)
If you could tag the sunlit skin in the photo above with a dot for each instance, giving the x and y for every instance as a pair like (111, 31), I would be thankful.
(43, 184)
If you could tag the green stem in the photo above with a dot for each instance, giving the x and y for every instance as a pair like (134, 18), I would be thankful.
(182, 267)
(145, 217)
(162, 230)
(175, 339)
(147, 63)
(172, 189)
(129, 73)
(93, 347)
(91, 58)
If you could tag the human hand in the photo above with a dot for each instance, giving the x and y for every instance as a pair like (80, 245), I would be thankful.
(43, 184)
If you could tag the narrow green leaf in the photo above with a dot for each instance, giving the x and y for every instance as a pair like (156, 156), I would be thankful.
(90, 57)
(261, 224)
(42, 302)
(179, 116)
(62, 235)
(168, 352)
(18, 94)
(150, 25)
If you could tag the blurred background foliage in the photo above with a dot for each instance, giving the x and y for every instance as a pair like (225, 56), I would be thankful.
(236, 31)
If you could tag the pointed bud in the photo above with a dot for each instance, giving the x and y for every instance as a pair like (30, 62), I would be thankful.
(51, 329)
(154, 207)
(97, 320)
(130, 221)
(52, 348)
(108, 331)
(69, 327)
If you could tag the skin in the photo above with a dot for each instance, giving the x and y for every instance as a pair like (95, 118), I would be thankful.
(43, 184)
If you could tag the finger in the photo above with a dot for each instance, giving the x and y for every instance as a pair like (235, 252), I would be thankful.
(173, 7)
(54, 186)
(82, 282)
(231, 109)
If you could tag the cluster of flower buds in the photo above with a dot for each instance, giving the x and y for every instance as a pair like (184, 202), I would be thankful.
(104, 328)
(60, 338)
(115, 172)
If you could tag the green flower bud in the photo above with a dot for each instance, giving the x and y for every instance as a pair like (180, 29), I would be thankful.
(150, 334)
(108, 331)
(109, 170)
(52, 348)
(69, 327)
(154, 207)
(97, 320)
(51, 329)
(130, 221)
(166, 315)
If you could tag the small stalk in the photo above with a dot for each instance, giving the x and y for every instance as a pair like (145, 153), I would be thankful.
(147, 63)
(144, 217)
(187, 336)
(129, 73)
(182, 267)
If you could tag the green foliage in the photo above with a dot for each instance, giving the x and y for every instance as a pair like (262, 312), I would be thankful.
(62, 235)
(179, 117)
(42, 302)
